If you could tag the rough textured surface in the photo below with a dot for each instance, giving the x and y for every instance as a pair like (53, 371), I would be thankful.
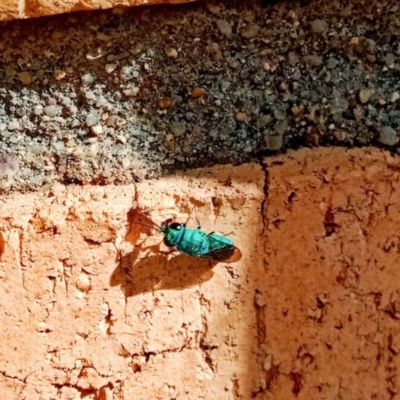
(89, 313)
(332, 284)
(9, 9)
(105, 98)
(12, 9)
(94, 307)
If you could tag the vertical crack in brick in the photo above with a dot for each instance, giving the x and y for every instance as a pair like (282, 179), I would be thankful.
(66, 272)
(204, 345)
(259, 306)
(265, 360)
(2, 245)
(19, 256)
(297, 378)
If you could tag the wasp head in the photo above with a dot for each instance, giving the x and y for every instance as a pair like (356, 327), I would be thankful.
(173, 232)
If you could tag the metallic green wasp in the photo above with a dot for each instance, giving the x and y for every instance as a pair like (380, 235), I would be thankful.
(197, 243)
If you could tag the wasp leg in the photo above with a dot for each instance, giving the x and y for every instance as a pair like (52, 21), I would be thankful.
(225, 234)
(190, 216)
(166, 252)
(198, 222)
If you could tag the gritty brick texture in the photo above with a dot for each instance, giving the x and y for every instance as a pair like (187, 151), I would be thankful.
(331, 255)
(95, 307)
(15, 9)
(9, 9)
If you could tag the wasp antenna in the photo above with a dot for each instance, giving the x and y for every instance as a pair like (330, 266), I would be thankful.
(147, 225)
(148, 219)
(153, 223)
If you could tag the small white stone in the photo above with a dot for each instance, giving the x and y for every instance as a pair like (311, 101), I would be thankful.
(122, 139)
(59, 74)
(131, 92)
(172, 53)
(66, 101)
(395, 97)
(110, 68)
(178, 128)
(126, 163)
(14, 125)
(51, 111)
(97, 130)
(267, 363)
(83, 282)
(38, 110)
(224, 27)
(104, 309)
(92, 119)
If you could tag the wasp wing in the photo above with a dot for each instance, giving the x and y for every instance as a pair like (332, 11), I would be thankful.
(227, 255)
(222, 249)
